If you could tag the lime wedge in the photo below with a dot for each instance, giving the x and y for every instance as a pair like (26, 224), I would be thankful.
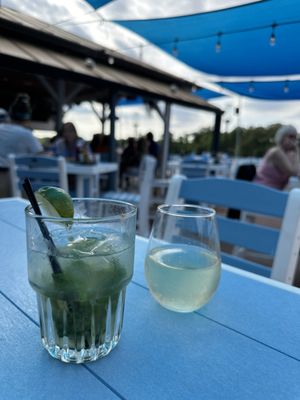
(55, 202)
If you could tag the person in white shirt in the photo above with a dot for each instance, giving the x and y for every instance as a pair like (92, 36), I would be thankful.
(16, 138)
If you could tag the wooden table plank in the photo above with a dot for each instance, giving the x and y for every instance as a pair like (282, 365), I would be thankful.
(254, 306)
(28, 373)
(167, 355)
(244, 344)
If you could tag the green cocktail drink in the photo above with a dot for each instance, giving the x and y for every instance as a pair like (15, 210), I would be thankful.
(81, 306)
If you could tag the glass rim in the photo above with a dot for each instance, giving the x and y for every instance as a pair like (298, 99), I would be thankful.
(210, 212)
(111, 218)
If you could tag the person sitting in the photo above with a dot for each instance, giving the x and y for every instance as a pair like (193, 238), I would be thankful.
(16, 138)
(281, 161)
(129, 159)
(68, 144)
(153, 147)
(100, 145)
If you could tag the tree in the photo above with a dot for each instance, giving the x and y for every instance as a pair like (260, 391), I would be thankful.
(254, 141)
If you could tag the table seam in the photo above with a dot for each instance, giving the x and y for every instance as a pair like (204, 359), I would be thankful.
(19, 308)
(101, 380)
(13, 225)
(195, 312)
(232, 329)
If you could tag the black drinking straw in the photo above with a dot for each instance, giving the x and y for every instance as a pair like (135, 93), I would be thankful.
(31, 197)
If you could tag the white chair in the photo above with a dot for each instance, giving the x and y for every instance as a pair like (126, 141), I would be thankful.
(143, 199)
(281, 244)
(42, 171)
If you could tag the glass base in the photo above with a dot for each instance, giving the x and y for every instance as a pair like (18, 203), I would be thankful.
(69, 355)
(81, 331)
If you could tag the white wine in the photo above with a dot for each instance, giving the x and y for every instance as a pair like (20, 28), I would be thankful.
(182, 277)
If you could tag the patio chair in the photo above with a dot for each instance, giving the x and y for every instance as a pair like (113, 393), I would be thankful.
(42, 171)
(142, 199)
(194, 169)
(282, 244)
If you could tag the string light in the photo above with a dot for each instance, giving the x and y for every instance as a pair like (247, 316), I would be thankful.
(286, 87)
(111, 60)
(218, 45)
(175, 48)
(90, 63)
(173, 88)
(251, 87)
(272, 40)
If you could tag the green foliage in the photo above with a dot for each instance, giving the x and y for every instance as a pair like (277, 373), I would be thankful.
(254, 142)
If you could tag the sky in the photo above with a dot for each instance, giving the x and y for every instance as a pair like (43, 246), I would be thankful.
(78, 17)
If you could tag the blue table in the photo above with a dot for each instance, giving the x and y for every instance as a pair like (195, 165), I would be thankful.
(244, 344)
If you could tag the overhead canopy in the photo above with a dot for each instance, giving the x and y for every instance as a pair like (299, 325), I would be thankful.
(203, 93)
(208, 94)
(31, 51)
(267, 90)
(257, 39)
(98, 3)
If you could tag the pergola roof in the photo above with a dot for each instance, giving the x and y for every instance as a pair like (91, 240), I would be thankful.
(31, 49)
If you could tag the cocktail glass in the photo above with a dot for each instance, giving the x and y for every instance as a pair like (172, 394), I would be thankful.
(80, 276)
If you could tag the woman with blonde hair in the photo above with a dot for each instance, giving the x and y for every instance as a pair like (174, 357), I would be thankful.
(281, 161)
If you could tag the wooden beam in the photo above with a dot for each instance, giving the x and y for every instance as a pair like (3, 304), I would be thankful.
(52, 91)
(77, 89)
(154, 105)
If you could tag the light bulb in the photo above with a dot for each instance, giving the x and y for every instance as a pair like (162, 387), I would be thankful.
(286, 88)
(251, 88)
(175, 48)
(218, 46)
(272, 40)
(175, 51)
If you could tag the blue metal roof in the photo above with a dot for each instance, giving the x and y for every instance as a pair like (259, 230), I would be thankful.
(234, 41)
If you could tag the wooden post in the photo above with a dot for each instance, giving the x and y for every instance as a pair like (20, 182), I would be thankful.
(166, 136)
(113, 180)
(59, 104)
(103, 118)
(216, 135)
(112, 117)
(166, 140)
(58, 95)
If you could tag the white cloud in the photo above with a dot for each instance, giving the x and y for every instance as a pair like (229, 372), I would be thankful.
(136, 9)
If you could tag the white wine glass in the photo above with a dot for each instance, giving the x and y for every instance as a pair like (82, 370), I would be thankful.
(183, 263)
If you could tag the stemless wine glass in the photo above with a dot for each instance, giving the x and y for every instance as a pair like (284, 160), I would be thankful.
(183, 262)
